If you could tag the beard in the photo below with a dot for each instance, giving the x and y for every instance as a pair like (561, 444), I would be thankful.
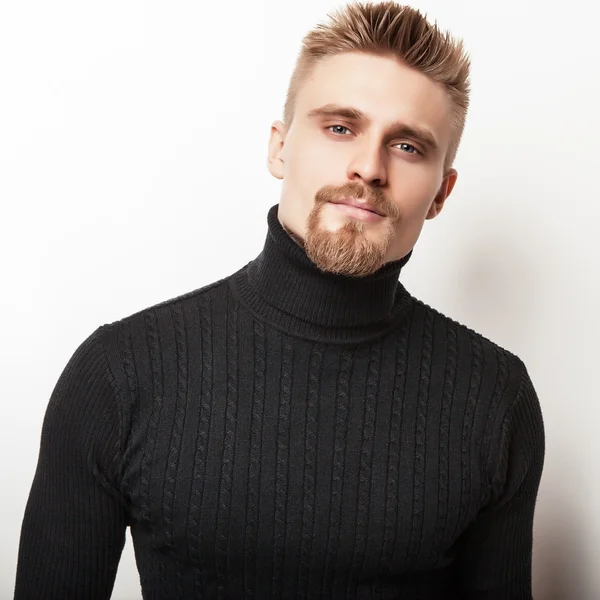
(349, 250)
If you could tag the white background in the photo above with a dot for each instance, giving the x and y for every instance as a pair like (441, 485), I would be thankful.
(133, 140)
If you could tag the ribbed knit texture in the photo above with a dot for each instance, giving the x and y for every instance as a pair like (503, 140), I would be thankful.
(286, 433)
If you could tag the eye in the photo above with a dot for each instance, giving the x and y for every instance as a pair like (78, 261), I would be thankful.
(338, 127)
(408, 148)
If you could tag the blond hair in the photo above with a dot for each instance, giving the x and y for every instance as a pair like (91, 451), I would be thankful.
(391, 30)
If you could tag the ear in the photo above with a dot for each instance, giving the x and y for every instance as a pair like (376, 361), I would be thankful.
(276, 142)
(443, 193)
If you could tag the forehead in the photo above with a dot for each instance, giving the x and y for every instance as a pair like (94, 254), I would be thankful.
(386, 90)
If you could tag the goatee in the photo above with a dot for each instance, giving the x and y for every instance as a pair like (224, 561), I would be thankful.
(348, 251)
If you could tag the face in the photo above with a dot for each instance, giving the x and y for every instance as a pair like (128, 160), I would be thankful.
(362, 162)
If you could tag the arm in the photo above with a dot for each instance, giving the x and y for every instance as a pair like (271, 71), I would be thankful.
(495, 551)
(75, 519)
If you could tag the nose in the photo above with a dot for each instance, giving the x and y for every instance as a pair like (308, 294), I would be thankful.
(368, 165)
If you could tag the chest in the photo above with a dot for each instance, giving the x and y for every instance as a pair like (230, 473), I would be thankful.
(306, 459)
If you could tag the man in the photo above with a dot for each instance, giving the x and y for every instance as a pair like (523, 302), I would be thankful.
(305, 428)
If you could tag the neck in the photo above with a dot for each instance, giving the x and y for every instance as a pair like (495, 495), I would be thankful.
(283, 286)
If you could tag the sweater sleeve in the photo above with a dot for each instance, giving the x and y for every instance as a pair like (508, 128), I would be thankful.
(495, 552)
(73, 529)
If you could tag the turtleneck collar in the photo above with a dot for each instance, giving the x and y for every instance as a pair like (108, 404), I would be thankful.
(285, 288)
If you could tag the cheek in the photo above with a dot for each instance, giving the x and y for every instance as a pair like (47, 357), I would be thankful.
(414, 192)
(304, 175)
(414, 189)
(310, 166)
(301, 161)
(406, 233)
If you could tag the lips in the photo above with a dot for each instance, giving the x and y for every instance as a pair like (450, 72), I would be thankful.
(360, 204)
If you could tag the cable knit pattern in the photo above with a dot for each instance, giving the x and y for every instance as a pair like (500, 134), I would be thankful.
(256, 433)
(224, 489)
(365, 473)
(337, 478)
(391, 510)
(286, 433)
(421, 421)
(199, 469)
(444, 441)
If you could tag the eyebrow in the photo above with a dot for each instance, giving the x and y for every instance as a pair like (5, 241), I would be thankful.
(397, 129)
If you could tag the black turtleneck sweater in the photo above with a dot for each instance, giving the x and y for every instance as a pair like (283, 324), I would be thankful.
(286, 433)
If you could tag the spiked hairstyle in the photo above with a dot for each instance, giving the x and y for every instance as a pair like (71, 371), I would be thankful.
(392, 30)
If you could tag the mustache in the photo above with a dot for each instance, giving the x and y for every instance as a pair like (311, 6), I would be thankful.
(374, 196)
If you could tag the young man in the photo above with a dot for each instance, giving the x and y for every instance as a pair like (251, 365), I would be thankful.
(305, 428)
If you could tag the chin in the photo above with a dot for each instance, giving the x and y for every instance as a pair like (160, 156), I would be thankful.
(332, 223)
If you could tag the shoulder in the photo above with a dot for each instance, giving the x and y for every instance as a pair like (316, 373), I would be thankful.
(491, 372)
(487, 373)
(494, 385)
(139, 341)
(459, 337)
(176, 303)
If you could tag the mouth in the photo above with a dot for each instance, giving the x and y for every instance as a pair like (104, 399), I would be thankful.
(361, 205)
(360, 211)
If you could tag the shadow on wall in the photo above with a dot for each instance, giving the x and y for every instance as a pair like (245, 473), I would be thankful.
(506, 271)
(559, 561)
(500, 283)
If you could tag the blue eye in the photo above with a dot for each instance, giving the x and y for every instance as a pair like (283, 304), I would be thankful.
(407, 148)
(339, 127)
(404, 146)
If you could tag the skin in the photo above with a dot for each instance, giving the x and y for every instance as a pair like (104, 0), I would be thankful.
(322, 159)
